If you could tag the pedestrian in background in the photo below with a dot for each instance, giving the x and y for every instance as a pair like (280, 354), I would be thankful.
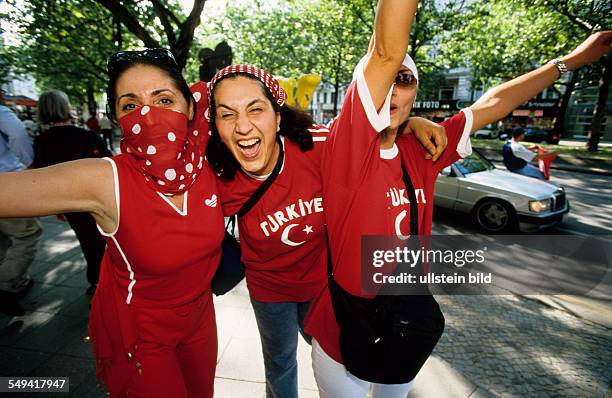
(93, 124)
(62, 141)
(18, 236)
(517, 157)
(106, 129)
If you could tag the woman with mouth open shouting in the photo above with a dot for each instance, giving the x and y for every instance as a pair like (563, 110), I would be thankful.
(379, 343)
(283, 236)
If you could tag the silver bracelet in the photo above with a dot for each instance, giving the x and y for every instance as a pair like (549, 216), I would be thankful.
(560, 66)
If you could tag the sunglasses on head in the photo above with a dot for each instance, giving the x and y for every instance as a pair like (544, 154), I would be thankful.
(405, 79)
(160, 55)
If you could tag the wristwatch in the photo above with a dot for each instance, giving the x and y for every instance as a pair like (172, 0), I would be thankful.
(560, 65)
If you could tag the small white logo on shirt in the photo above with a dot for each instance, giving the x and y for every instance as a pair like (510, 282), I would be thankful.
(212, 202)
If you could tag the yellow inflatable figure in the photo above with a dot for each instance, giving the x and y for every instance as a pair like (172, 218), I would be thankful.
(300, 91)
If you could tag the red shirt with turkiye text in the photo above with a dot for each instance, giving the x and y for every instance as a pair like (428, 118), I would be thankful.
(365, 194)
(283, 236)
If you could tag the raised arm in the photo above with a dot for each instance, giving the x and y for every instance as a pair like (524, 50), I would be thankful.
(501, 100)
(388, 45)
(78, 186)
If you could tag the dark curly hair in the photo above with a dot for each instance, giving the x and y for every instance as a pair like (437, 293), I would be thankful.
(294, 125)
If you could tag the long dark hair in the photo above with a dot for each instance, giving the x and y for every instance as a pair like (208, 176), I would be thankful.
(171, 69)
(294, 125)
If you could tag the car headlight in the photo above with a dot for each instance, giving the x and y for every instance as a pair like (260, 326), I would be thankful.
(538, 206)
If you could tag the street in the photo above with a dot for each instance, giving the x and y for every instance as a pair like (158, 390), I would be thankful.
(590, 199)
(534, 345)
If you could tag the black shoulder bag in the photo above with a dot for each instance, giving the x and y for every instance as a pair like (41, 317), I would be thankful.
(231, 269)
(386, 339)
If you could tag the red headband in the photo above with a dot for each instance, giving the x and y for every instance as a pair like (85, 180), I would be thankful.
(266, 78)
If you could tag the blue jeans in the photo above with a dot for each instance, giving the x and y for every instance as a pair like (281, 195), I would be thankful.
(278, 325)
(531, 171)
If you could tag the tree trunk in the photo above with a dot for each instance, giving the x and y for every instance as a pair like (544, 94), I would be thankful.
(337, 83)
(91, 101)
(118, 34)
(187, 30)
(337, 96)
(600, 109)
(182, 44)
(563, 104)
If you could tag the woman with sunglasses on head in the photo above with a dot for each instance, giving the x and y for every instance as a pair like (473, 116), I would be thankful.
(359, 340)
(152, 321)
(255, 137)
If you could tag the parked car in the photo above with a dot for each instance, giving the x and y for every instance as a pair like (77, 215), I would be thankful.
(541, 136)
(499, 201)
(489, 131)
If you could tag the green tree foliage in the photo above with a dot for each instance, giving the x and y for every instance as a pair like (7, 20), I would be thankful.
(296, 37)
(7, 60)
(501, 39)
(159, 23)
(65, 43)
(327, 37)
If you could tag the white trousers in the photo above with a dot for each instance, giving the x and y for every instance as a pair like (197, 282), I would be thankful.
(334, 381)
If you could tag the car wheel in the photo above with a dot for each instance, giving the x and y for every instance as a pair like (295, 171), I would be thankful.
(494, 134)
(495, 216)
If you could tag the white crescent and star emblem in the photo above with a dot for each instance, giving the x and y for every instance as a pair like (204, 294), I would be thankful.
(285, 235)
(398, 220)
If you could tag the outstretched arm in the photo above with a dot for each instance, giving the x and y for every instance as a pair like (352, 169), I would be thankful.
(501, 100)
(79, 186)
(388, 45)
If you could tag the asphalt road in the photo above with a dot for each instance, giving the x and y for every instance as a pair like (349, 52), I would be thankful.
(590, 199)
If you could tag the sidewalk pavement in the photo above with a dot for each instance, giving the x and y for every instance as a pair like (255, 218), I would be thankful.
(563, 162)
(582, 142)
(493, 346)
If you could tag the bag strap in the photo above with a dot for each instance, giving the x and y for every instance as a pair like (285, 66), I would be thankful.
(414, 209)
(414, 216)
(259, 192)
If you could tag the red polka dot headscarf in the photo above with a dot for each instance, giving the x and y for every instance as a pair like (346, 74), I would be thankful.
(265, 77)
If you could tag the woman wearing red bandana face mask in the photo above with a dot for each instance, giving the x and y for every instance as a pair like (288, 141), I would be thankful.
(152, 321)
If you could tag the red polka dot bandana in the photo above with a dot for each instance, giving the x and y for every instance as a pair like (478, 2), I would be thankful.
(200, 122)
(169, 154)
(266, 78)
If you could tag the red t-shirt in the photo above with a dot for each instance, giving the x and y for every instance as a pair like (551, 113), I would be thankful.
(365, 194)
(161, 255)
(283, 236)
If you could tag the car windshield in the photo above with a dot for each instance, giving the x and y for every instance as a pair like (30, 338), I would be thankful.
(474, 164)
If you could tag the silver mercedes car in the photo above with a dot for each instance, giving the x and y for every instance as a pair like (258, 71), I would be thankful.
(497, 200)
